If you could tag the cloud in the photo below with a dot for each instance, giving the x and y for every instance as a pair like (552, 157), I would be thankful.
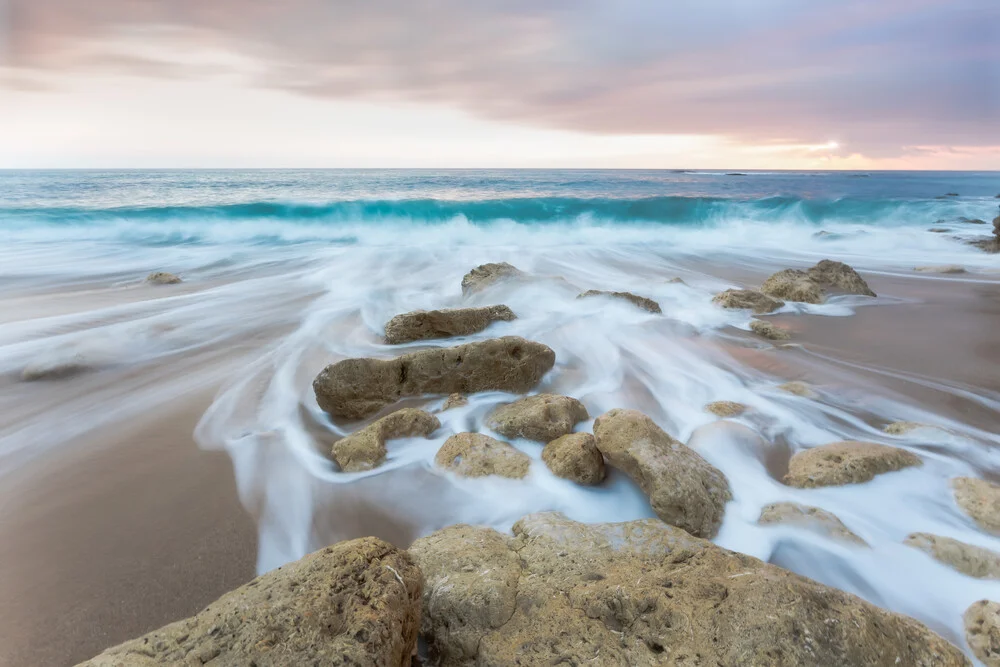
(871, 75)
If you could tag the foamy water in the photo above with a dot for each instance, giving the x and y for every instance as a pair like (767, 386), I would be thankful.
(273, 294)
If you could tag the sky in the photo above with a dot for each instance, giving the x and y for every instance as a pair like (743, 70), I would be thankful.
(765, 84)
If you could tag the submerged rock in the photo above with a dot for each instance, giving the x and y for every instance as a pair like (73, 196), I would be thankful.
(478, 455)
(945, 268)
(769, 330)
(982, 631)
(939, 230)
(684, 489)
(902, 428)
(358, 388)
(454, 401)
(793, 285)
(365, 449)
(848, 462)
(354, 603)
(428, 324)
(839, 276)
(643, 593)
(485, 275)
(575, 457)
(798, 388)
(55, 369)
(726, 408)
(966, 558)
(541, 418)
(758, 302)
(162, 278)
(987, 244)
(980, 500)
(810, 518)
(640, 301)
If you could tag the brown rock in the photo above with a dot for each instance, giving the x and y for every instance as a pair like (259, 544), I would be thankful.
(811, 518)
(55, 369)
(769, 330)
(980, 500)
(848, 462)
(354, 603)
(643, 593)
(726, 408)
(793, 285)
(798, 388)
(454, 401)
(839, 276)
(162, 278)
(639, 301)
(365, 449)
(966, 558)
(575, 457)
(982, 631)
(427, 324)
(683, 488)
(988, 244)
(758, 302)
(902, 428)
(485, 275)
(945, 268)
(939, 230)
(478, 455)
(358, 388)
(541, 418)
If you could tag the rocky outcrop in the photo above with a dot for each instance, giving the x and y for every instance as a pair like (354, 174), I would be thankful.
(454, 401)
(485, 275)
(162, 278)
(769, 330)
(478, 455)
(798, 388)
(354, 603)
(575, 457)
(358, 388)
(748, 299)
(639, 301)
(541, 418)
(365, 449)
(811, 518)
(980, 500)
(428, 324)
(982, 631)
(643, 593)
(793, 285)
(848, 462)
(966, 558)
(839, 277)
(944, 268)
(683, 488)
(726, 408)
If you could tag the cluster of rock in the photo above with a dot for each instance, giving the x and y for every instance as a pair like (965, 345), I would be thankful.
(990, 243)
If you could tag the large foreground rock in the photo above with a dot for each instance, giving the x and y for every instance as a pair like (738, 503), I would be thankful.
(980, 500)
(478, 455)
(428, 324)
(758, 302)
(966, 558)
(982, 631)
(634, 299)
(811, 518)
(356, 603)
(575, 457)
(365, 449)
(684, 489)
(839, 277)
(643, 593)
(793, 285)
(358, 388)
(848, 462)
(541, 418)
(485, 275)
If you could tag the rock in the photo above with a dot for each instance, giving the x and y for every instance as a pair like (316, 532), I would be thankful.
(683, 488)
(982, 631)
(811, 518)
(793, 285)
(426, 324)
(848, 462)
(726, 408)
(454, 401)
(966, 558)
(640, 301)
(354, 603)
(798, 388)
(945, 268)
(758, 302)
(478, 455)
(575, 457)
(675, 281)
(769, 330)
(365, 449)
(980, 500)
(951, 194)
(972, 221)
(902, 428)
(643, 593)
(541, 418)
(988, 244)
(358, 388)
(939, 230)
(162, 278)
(55, 368)
(839, 276)
(485, 275)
